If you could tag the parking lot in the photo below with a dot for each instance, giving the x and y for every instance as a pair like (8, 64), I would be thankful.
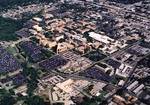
(95, 56)
(97, 74)
(113, 63)
(17, 79)
(53, 63)
(23, 32)
(138, 50)
(53, 80)
(70, 55)
(8, 61)
(33, 50)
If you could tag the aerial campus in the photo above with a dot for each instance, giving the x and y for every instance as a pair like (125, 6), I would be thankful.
(75, 52)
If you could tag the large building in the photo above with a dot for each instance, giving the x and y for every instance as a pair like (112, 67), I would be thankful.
(102, 69)
(36, 27)
(78, 39)
(100, 38)
(64, 86)
(138, 88)
(57, 37)
(132, 85)
(60, 48)
(47, 43)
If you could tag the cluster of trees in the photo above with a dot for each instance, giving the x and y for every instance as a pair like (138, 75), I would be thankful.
(87, 101)
(8, 27)
(35, 100)
(33, 74)
(87, 90)
(34, 39)
(24, 53)
(8, 4)
(47, 53)
(76, 7)
(145, 62)
(6, 98)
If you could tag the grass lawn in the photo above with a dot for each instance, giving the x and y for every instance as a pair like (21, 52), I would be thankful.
(117, 79)
(20, 60)
(103, 92)
(93, 104)
(11, 50)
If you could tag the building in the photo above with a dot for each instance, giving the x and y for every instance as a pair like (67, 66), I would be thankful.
(69, 46)
(138, 88)
(46, 16)
(96, 45)
(89, 0)
(40, 36)
(37, 19)
(120, 74)
(34, 32)
(82, 23)
(110, 88)
(78, 39)
(94, 91)
(36, 27)
(57, 37)
(119, 98)
(102, 69)
(64, 86)
(84, 30)
(60, 48)
(121, 82)
(134, 99)
(132, 85)
(100, 38)
(22, 90)
(79, 99)
(47, 43)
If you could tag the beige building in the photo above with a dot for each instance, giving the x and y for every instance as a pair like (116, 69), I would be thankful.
(55, 23)
(21, 89)
(94, 91)
(96, 45)
(33, 31)
(60, 48)
(69, 46)
(46, 16)
(40, 36)
(48, 43)
(36, 27)
(57, 37)
(83, 23)
(102, 69)
(64, 86)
